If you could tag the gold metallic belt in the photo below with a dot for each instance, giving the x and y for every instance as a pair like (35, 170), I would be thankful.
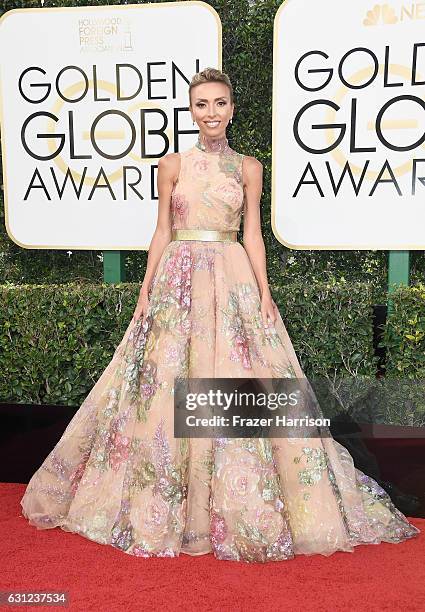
(200, 234)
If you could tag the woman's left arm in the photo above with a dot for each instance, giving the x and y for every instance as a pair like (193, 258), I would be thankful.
(252, 236)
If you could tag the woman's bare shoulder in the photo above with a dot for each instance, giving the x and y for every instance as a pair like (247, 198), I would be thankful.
(170, 163)
(169, 160)
(252, 163)
(252, 168)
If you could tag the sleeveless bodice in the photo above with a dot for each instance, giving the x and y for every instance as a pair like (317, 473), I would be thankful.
(208, 193)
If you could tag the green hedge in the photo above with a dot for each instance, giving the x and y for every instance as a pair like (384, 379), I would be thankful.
(55, 340)
(330, 325)
(405, 334)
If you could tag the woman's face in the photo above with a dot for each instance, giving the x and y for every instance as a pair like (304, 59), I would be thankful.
(211, 109)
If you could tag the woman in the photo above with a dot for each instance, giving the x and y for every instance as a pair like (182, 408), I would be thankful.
(118, 475)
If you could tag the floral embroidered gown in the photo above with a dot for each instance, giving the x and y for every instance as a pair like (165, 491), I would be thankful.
(119, 477)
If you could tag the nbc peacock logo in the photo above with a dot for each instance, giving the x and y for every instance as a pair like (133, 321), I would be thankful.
(381, 13)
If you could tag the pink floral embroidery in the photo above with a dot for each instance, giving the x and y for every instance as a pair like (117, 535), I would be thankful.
(77, 474)
(240, 351)
(149, 517)
(172, 354)
(230, 192)
(238, 175)
(148, 384)
(179, 208)
(120, 450)
(266, 520)
(200, 166)
(218, 528)
(178, 272)
(238, 482)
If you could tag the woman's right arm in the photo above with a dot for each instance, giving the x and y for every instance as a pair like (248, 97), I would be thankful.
(168, 170)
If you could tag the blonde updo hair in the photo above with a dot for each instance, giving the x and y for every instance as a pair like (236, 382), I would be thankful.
(210, 75)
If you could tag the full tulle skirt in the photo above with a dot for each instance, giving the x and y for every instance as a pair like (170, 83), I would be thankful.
(118, 476)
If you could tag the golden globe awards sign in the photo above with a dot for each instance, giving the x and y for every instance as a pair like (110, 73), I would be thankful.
(91, 98)
(349, 125)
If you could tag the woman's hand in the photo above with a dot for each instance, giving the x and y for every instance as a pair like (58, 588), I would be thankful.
(268, 309)
(141, 308)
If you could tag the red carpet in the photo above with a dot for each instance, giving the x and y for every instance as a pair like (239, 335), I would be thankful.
(97, 577)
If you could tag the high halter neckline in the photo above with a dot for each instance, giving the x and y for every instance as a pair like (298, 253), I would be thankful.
(209, 144)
